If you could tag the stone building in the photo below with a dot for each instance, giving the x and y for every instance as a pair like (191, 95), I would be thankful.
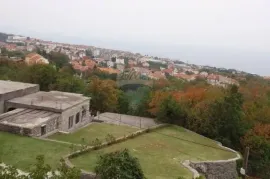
(28, 111)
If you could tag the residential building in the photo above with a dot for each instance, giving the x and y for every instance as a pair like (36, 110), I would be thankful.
(145, 64)
(110, 64)
(34, 58)
(109, 70)
(120, 67)
(120, 61)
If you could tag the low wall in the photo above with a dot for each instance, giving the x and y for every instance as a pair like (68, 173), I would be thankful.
(14, 129)
(216, 170)
(219, 169)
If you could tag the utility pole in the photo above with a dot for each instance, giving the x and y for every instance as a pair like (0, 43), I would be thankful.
(245, 163)
(120, 120)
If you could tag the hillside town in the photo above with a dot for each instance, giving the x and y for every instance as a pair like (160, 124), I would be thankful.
(85, 58)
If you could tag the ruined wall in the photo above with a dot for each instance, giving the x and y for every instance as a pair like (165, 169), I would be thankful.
(64, 122)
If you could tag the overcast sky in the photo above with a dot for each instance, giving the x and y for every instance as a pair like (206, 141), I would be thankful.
(223, 33)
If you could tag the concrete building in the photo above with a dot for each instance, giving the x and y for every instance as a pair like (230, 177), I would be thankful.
(28, 111)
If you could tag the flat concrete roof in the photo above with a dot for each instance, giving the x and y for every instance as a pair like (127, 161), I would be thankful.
(9, 86)
(27, 118)
(53, 101)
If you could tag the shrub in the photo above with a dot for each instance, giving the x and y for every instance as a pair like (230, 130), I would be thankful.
(119, 164)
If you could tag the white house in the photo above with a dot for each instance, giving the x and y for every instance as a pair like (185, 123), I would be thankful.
(120, 61)
(145, 64)
(110, 64)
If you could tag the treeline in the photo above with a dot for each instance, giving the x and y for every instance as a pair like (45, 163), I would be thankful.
(239, 117)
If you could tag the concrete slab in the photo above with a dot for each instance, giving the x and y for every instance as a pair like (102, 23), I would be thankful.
(10, 86)
(55, 101)
(27, 118)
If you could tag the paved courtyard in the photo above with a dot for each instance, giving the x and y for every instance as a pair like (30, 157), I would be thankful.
(121, 119)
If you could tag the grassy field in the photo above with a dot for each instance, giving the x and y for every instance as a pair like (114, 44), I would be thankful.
(161, 152)
(93, 131)
(21, 151)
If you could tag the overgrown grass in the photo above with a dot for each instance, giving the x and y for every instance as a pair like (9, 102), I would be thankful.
(161, 152)
(96, 130)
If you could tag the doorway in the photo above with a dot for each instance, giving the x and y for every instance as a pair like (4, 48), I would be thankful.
(43, 130)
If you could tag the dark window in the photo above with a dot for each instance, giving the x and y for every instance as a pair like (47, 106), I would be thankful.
(70, 122)
(83, 114)
(77, 117)
(10, 109)
(43, 130)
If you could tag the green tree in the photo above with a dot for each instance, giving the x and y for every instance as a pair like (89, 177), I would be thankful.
(40, 170)
(171, 111)
(119, 165)
(44, 75)
(68, 83)
(89, 53)
(123, 103)
(226, 119)
(59, 59)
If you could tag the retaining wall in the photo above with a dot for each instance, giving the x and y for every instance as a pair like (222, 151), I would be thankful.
(220, 169)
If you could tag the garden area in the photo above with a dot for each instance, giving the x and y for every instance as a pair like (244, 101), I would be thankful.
(95, 130)
(162, 151)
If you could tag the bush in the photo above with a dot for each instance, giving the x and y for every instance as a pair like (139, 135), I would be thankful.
(110, 138)
(118, 165)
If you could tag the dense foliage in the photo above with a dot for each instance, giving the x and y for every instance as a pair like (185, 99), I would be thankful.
(119, 165)
(238, 117)
(41, 170)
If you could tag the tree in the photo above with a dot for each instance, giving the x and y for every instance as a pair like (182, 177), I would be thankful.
(104, 94)
(40, 170)
(59, 59)
(119, 165)
(88, 53)
(123, 103)
(68, 83)
(44, 75)
(226, 118)
(259, 154)
(171, 111)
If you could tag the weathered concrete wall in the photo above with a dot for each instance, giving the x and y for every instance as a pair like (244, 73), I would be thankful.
(64, 122)
(51, 127)
(2, 106)
(14, 129)
(15, 94)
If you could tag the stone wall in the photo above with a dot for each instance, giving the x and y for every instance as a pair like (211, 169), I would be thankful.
(216, 170)
(63, 125)
(219, 169)
(14, 129)
(51, 127)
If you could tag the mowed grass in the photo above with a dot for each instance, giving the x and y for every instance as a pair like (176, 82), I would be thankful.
(161, 152)
(93, 131)
(21, 152)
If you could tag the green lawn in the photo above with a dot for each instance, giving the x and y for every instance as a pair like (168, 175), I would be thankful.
(93, 131)
(161, 155)
(21, 151)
